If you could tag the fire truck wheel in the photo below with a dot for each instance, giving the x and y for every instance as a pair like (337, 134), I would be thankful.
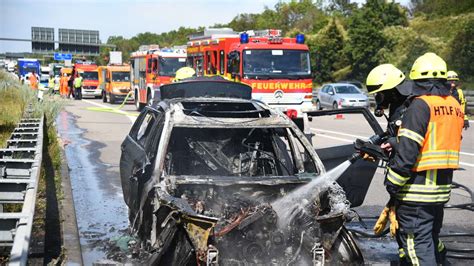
(138, 105)
(104, 97)
(149, 98)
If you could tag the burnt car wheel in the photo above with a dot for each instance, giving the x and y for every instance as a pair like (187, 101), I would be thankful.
(345, 250)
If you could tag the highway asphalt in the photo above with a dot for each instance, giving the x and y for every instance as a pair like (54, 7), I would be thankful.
(93, 136)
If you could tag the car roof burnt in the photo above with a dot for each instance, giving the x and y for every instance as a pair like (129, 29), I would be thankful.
(206, 87)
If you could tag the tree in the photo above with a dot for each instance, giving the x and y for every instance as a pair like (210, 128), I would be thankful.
(327, 51)
(343, 7)
(441, 7)
(462, 52)
(366, 38)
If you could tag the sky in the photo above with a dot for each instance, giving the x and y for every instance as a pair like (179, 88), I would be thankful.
(117, 17)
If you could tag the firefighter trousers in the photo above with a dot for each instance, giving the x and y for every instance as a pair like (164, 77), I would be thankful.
(418, 234)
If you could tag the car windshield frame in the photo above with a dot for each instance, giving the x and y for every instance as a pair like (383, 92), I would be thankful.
(169, 65)
(295, 145)
(347, 89)
(276, 63)
(90, 75)
(120, 76)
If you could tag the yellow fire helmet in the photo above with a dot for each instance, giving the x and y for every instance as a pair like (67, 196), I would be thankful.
(384, 77)
(429, 65)
(452, 75)
(184, 73)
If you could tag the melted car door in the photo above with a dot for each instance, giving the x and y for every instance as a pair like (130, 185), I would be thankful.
(134, 159)
(334, 142)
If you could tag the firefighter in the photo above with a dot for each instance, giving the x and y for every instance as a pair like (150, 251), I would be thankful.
(453, 81)
(78, 86)
(390, 88)
(420, 172)
(392, 91)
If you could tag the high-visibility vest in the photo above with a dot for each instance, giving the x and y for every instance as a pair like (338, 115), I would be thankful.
(51, 83)
(439, 153)
(78, 82)
(442, 141)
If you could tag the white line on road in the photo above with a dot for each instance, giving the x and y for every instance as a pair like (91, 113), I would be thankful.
(356, 136)
(132, 118)
(339, 133)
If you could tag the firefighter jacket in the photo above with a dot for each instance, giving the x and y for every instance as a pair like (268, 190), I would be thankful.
(429, 141)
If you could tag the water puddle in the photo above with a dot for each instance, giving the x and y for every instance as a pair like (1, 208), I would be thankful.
(100, 209)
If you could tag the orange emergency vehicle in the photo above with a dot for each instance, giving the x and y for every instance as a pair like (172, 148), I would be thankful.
(90, 78)
(114, 82)
(277, 68)
(152, 67)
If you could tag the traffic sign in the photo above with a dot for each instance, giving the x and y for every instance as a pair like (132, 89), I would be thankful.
(60, 56)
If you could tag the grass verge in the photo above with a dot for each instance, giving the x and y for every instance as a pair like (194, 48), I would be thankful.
(46, 239)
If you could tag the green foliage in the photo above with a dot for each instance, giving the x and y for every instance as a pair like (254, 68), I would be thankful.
(407, 45)
(435, 8)
(327, 51)
(292, 17)
(462, 52)
(366, 39)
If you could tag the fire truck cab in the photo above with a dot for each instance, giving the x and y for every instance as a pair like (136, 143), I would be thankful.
(152, 67)
(277, 68)
(114, 82)
(90, 78)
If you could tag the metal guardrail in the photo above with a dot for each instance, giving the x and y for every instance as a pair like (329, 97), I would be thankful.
(20, 166)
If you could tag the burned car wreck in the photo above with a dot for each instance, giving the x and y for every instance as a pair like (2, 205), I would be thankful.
(210, 175)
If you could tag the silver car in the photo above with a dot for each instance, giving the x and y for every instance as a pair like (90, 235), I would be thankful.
(340, 95)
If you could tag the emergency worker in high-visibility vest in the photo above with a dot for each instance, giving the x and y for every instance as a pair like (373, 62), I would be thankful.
(63, 87)
(456, 90)
(420, 172)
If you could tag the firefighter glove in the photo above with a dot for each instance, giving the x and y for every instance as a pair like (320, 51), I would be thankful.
(392, 215)
(466, 124)
(382, 221)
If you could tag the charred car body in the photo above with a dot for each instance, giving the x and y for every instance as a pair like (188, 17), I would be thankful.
(203, 172)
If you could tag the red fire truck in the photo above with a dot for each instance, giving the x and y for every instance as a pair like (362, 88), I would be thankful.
(90, 77)
(152, 67)
(278, 69)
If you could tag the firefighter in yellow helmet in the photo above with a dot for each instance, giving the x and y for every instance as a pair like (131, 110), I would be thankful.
(184, 73)
(390, 87)
(391, 91)
(420, 171)
(456, 91)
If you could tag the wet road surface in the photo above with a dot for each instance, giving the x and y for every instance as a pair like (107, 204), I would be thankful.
(92, 145)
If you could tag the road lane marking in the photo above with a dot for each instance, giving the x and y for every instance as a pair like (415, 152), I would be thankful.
(351, 141)
(339, 133)
(466, 164)
(131, 118)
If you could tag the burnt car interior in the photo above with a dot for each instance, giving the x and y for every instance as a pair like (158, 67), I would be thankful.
(236, 152)
(230, 184)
